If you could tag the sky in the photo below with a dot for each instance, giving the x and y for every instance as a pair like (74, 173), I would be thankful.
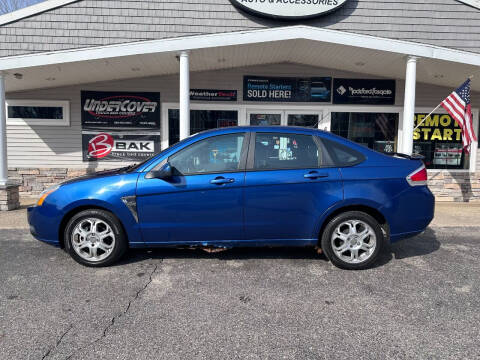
(11, 5)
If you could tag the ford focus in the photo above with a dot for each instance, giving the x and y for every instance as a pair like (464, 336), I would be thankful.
(242, 186)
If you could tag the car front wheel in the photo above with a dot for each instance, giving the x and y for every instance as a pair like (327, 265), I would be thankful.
(95, 238)
(352, 240)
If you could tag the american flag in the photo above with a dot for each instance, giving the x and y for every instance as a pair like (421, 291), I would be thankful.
(458, 106)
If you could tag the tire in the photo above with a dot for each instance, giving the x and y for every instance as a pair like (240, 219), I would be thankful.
(95, 238)
(353, 240)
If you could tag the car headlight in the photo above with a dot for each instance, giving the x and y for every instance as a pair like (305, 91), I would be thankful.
(45, 193)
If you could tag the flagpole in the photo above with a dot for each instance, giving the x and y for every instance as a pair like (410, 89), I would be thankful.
(426, 117)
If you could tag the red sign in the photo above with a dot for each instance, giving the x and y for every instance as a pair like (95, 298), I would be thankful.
(100, 146)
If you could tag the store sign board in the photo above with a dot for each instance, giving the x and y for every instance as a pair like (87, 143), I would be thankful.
(289, 9)
(111, 146)
(439, 139)
(213, 95)
(287, 89)
(364, 91)
(116, 110)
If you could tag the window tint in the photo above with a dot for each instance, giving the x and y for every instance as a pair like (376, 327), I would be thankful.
(287, 151)
(343, 155)
(35, 112)
(213, 155)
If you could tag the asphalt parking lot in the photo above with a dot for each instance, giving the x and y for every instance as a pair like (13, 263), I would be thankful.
(420, 301)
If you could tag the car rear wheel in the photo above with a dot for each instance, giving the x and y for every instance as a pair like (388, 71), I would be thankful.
(95, 238)
(352, 240)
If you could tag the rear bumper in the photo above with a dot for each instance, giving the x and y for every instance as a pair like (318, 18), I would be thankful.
(411, 212)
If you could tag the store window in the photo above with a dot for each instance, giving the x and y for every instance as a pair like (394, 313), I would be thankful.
(377, 131)
(38, 112)
(439, 139)
(200, 120)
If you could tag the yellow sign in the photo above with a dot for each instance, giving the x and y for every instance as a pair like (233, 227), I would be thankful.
(437, 127)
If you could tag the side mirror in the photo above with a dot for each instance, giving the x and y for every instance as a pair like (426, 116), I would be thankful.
(165, 172)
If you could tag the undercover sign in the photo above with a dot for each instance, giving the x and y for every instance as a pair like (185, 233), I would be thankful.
(107, 110)
(110, 146)
(285, 89)
(289, 9)
(364, 91)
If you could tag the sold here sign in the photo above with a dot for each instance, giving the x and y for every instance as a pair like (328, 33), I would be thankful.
(289, 9)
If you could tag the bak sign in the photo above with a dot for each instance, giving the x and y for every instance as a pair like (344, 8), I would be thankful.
(289, 9)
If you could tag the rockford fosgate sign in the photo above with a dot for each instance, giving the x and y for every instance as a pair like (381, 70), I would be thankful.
(139, 110)
(289, 9)
(364, 91)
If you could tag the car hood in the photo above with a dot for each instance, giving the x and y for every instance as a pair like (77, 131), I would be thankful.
(98, 174)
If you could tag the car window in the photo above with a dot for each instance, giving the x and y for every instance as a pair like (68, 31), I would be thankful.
(343, 155)
(212, 155)
(287, 151)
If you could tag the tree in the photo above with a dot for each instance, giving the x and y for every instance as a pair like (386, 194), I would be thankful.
(7, 6)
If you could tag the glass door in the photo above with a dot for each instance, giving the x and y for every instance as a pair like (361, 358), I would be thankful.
(303, 118)
(265, 118)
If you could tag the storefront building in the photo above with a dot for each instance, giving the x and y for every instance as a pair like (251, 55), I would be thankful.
(91, 85)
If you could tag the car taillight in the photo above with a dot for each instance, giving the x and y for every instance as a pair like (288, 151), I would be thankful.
(418, 177)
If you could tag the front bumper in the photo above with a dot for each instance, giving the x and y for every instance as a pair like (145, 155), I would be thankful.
(43, 226)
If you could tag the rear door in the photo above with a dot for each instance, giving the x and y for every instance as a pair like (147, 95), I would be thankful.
(290, 181)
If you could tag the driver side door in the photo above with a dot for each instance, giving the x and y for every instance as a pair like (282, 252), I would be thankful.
(202, 202)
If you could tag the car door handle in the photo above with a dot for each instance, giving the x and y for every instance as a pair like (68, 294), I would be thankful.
(315, 175)
(221, 181)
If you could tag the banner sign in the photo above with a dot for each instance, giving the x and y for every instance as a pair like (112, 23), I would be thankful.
(364, 91)
(290, 9)
(110, 146)
(439, 139)
(284, 89)
(213, 95)
(116, 110)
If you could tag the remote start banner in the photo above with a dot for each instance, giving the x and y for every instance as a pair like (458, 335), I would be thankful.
(286, 89)
(117, 110)
(111, 146)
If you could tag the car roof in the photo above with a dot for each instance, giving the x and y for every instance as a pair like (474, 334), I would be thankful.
(277, 128)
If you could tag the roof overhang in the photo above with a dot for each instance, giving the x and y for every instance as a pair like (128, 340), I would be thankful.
(300, 44)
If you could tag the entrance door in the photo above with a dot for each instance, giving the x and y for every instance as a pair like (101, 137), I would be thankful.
(284, 117)
(265, 117)
(303, 118)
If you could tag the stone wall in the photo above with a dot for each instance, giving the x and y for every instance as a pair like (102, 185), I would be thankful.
(446, 185)
(34, 181)
(454, 186)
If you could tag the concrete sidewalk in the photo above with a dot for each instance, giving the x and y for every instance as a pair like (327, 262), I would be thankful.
(447, 214)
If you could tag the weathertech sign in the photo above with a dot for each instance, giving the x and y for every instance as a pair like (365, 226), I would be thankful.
(108, 146)
(118, 110)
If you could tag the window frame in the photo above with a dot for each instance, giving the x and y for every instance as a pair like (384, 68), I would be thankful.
(251, 151)
(64, 104)
(243, 154)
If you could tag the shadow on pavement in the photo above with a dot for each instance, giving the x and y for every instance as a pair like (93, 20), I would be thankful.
(420, 245)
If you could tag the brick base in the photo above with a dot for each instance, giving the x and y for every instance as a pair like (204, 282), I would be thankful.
(34, 181)
(9, 197)
(446, 185)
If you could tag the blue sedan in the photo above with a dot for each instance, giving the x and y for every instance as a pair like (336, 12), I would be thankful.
(242, 186)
